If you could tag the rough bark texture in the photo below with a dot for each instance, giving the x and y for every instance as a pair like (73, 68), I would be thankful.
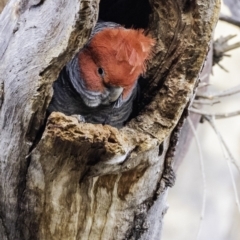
(186, 134)
(58, 180)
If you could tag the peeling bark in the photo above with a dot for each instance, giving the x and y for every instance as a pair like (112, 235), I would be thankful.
(70, 180)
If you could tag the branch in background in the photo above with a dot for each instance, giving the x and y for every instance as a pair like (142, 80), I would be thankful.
(220, 47)
(229, 20)
(215, 115)
(205, 102)
(228, 156)
(210, 116)
(203, 176)
(226, 93)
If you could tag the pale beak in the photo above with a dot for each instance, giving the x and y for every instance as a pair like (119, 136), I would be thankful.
(115, 93)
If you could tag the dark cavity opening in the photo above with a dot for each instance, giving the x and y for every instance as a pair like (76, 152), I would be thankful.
(129, 13)
(160, 149)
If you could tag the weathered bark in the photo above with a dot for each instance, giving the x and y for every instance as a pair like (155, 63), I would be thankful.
(186, 134)
(2, 4)
(59, 181)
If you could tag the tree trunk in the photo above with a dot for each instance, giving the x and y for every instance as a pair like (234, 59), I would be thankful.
(234, 7)
(70, 180)
(2, 4)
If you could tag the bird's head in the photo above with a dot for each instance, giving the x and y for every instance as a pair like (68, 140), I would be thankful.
(113, 60)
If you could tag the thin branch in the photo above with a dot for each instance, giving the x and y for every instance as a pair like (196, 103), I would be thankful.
(228, 156)
(204, 102)
(215, 115)
(227, 55)
(229, 20)
(221, 44)
(232, 47)
(226, 38)
(228, 92)
(204, 84)
(220, 47)
(222, 67)
(203, 176)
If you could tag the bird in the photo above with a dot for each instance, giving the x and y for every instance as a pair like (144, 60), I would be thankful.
(100, 83)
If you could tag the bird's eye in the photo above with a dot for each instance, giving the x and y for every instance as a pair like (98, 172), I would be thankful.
(100, 71)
